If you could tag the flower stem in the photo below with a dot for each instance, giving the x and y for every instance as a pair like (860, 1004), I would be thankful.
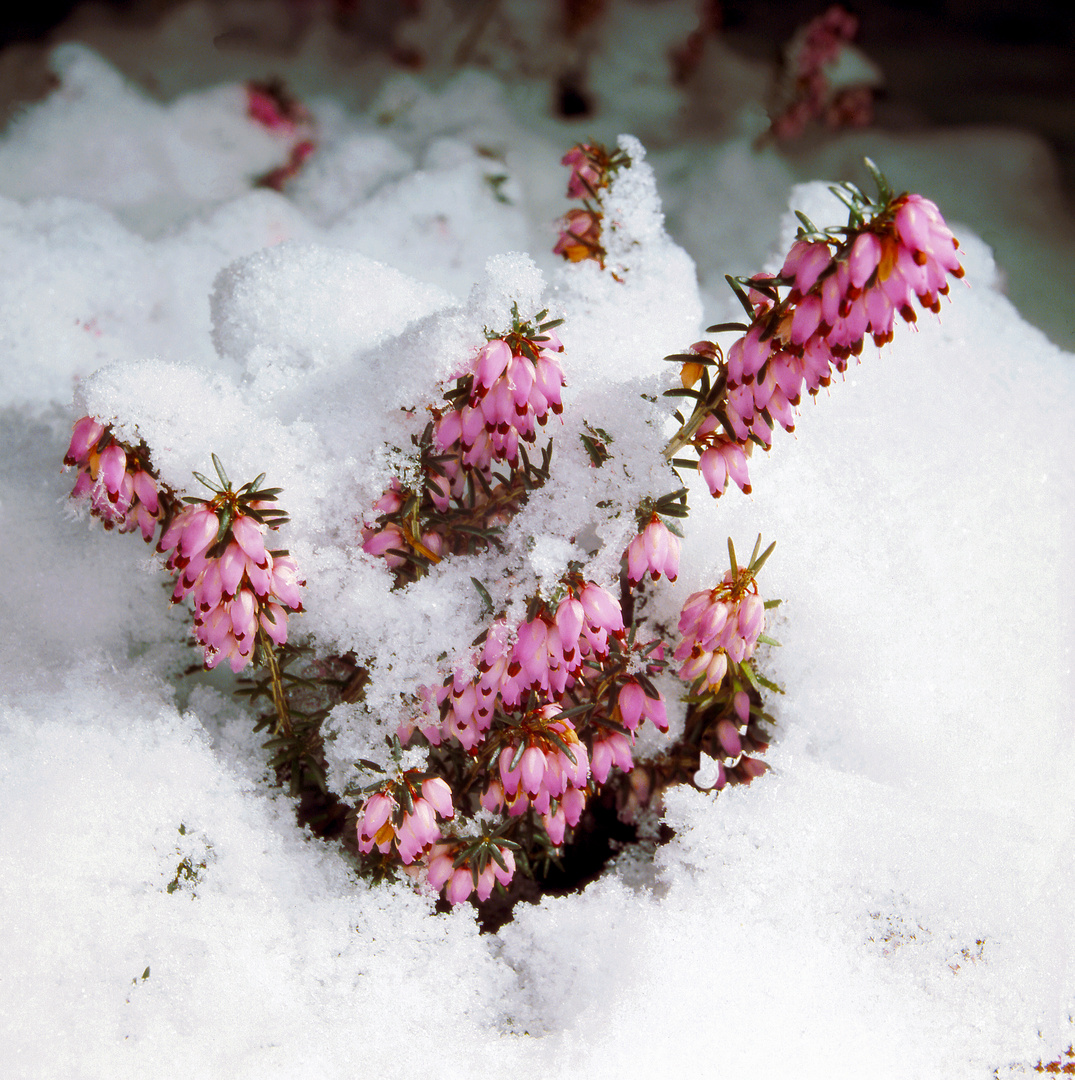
(685, 434)
(702, 410)
(279, 697)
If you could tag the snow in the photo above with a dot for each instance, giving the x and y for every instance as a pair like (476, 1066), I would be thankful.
(894, 899)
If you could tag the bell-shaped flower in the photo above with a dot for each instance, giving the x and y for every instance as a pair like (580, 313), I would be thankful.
(84, 438)
(610, 748)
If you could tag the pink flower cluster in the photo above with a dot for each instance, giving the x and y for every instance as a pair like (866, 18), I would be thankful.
(546, 654)
(535, 757)
(592, 169)
(387, 539)
(506, 392)
(115, 478)
(238, 586)
(516, 383)
(546, 768)
(733, 740)
(611, 747)
(383, 822)
(633, 705)
(904, 254)
(478, 873)
(809, 95)
(717, 626)
(655, 550)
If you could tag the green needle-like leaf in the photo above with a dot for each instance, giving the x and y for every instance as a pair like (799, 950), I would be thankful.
(810, 226)
(486, 599)
(518, 757)
(207, 482)
(760, 561)
(748, 307)
(768, 684)
(884, 190)
(553, 737)
(221, 473)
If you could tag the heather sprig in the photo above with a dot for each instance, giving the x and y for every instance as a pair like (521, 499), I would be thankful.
(593, 168)
(475, 469)
(836, 287)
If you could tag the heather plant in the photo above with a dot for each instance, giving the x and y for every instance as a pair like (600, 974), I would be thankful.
(593, 169)
(563, 699)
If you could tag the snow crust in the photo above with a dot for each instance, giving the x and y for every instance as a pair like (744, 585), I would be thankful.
(895, 899)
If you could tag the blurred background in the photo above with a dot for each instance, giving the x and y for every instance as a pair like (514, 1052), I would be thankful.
(945, 62)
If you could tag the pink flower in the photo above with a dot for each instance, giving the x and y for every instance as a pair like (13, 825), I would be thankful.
(493, 797)
(438, 794)
(570, 617)
(580, 236)
(274, 621)
(586, 174)
(492, 362)
(460, 885)
(635, 705)
(486, 881)
(286, 582)
(719, 461)
(729, 740)
(655, 550)
(459, 882)
(504, 874)
(555, 823)
(441, 865)
(601, 608)
(416, 832)
(804, 264)
(198, 528)
(250, 537)
(610, 748)
(374, 827)
(84, 438)
(385, 542)
(572, 804)
(862, 262)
